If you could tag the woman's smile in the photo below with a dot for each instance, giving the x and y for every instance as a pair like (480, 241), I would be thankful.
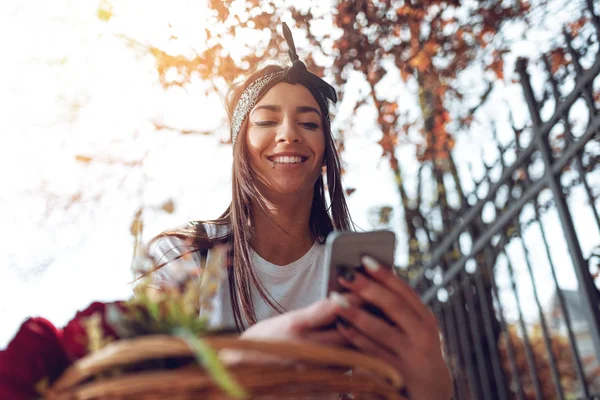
(288, 160)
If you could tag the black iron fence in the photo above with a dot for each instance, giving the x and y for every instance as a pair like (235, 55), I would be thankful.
(538, 201)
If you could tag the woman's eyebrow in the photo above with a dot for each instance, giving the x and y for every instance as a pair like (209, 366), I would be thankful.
(307, 109)
(267, 107)
(275, 108)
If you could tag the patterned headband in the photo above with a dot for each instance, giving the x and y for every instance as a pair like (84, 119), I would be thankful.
(247, 101)
(298, 73)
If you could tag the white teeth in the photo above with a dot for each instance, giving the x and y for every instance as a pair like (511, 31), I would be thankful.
(287, 160)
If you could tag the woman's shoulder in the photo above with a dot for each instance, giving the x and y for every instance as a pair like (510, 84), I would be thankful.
(193, 237)
(177, 254)
(212, 229)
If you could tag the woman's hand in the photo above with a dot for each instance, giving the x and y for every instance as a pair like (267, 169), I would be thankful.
(409, 340)
(308, 324)
(313, 324)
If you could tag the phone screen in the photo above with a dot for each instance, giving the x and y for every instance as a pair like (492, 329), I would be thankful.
(343, 253)
(344, 250)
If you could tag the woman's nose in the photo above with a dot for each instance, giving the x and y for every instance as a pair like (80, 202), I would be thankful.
(288, 132)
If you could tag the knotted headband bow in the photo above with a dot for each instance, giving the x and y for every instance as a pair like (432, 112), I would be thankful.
(297, 73)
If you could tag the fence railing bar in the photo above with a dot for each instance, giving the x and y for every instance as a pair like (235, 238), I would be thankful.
(542, 318)
(489, 262)
(587, 89)
(590, 294)
(449, 239)
(528, 350)
(582, 82)
(455, 355)
(484, 239)
(565, 310)
(595, 18)
(491, 337)
(571, 151)
(465, 343)
(570, 140)
(499, 391)
(492, 359)
(476, 335)
(488, 268)
(509, 214)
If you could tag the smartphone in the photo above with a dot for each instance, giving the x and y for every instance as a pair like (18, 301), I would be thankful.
(344, 249)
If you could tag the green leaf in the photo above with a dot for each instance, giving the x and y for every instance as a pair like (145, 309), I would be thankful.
(208, 357)
(153, 310)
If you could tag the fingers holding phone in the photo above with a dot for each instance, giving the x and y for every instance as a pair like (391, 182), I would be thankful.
(403, 333)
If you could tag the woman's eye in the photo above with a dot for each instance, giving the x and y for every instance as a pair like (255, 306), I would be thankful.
(311, 125)
(264, 123)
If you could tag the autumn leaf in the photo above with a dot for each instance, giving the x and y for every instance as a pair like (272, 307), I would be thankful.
(137, 224)
(385, 214)
(468, 120)
(404, 11)
(497, 66)
(520, 174)
(410, 12)
(559, 136)
(375, 74)
(389, 108)
(431, 47)
(406, 72)
(525, 5)
(168, 206)
(558, 59)
(575, 27)
(105, 11)
(421, 62)
(83, 159)
(221, 9)
(136, 227)
(387, 142)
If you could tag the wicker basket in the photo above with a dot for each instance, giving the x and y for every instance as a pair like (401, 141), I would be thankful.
(313, 371)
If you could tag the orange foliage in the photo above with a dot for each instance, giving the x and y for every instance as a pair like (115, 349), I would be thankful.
(575, 27)
(558, 59)
(422, 60)
(497, 65)
(561, 351)
(413, 35)
(428, 31)
(410, 12)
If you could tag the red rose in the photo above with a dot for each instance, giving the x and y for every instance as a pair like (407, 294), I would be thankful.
(35, 353)
(75, 338)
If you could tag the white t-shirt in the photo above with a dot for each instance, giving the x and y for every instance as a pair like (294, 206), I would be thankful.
(292, 286)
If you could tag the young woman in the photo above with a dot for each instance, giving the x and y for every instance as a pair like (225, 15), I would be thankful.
(276, 225)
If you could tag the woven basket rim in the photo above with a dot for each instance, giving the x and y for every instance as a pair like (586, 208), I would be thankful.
(127, 351)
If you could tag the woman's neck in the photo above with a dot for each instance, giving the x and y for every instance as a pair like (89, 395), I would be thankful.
(282, 232)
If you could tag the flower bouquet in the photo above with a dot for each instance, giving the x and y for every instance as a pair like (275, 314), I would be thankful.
(156, 345)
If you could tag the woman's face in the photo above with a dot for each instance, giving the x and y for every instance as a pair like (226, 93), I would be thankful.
(285, 139)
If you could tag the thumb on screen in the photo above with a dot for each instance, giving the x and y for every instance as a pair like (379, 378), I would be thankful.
(316, 315)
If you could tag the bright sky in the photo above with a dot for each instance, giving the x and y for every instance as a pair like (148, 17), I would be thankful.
(72, 87)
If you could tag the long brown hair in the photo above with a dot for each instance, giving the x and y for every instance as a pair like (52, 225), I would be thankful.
(238, 216)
